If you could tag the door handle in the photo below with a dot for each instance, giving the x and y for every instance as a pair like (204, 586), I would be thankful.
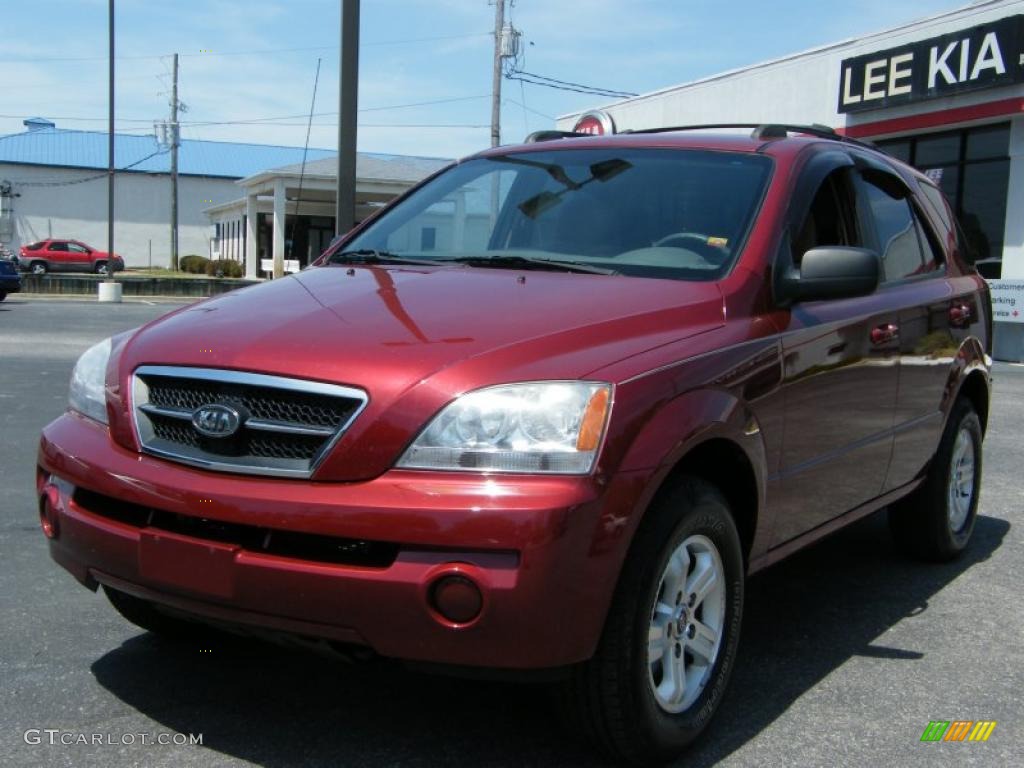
(960, 315)
(883, 334)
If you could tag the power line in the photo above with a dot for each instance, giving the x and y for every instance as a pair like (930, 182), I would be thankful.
(88, 178)
(249, 52)
(254, 120)
(564, 85)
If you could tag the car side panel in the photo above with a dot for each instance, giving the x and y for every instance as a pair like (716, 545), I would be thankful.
(840, 391)
(940, 345)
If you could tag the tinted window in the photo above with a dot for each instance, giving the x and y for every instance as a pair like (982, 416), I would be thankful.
(988, 143)
(58, 247)
(679, 214)
(76, 248)
(34, 246)
(897, 234)
(831, 219)
(983, 204)
(899, 148)
(937, 150)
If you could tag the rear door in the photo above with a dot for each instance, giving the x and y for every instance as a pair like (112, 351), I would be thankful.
(57, 256)
(78, 257)
(840, 369)
(935, 313)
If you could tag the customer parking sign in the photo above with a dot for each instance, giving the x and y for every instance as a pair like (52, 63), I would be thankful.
(1007, 300)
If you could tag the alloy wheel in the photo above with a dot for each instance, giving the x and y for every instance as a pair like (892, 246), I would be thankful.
(960, 487)
(687, 622)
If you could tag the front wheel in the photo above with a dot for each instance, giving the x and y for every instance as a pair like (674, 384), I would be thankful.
(101, 268)
(935, 522)
(38, 267)
(670, 640)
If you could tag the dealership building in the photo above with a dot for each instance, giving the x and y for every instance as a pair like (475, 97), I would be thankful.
(945, 94)
(246, 202)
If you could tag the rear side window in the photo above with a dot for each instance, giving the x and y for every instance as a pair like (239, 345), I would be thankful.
(33, 246)
(58, 247)
(905, 245)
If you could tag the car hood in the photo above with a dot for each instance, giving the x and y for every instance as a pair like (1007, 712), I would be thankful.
(415, 337)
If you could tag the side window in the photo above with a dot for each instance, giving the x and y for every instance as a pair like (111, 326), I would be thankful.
(76, 248)
(899, 241)
(58, 247)
(832, 218)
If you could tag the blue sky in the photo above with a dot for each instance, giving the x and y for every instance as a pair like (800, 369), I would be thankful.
(234, 71)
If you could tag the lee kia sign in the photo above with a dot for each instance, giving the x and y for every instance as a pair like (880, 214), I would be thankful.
(970, 59)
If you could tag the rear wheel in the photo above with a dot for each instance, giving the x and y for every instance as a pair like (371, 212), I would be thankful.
(935, 522)
(38, 267)
(101, 268)
(670, 640)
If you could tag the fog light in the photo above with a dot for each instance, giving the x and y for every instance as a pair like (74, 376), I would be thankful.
(48, 513)
(456, 598)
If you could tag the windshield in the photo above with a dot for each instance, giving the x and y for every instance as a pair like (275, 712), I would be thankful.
(680, 214)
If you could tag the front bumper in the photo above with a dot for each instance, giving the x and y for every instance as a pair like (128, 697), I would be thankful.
(544, 551)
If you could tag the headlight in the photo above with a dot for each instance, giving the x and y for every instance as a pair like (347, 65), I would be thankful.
(550, 427)
(87, 382)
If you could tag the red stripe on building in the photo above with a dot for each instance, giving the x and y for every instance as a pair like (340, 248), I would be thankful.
(939, 119)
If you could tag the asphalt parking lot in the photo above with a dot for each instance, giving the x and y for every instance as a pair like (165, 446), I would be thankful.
(848, 650)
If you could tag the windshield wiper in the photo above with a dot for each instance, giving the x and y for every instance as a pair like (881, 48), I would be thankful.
(373, 256)
(531, 262)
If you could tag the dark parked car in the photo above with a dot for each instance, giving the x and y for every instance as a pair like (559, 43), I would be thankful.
(10, 280)
(67, 256)
(546, 412)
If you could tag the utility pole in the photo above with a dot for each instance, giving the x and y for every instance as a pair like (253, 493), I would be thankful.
(348, 105)
(499, 26)
(110, 139)
(175, 133)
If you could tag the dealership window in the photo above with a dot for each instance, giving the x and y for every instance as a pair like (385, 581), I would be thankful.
(972, 167)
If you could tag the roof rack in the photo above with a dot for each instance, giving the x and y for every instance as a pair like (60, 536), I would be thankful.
(536, 136)
(764, 131)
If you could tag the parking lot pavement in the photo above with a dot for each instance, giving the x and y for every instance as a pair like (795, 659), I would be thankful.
(848, 651)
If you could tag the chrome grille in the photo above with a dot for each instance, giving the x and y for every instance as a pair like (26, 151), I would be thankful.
(285, 426)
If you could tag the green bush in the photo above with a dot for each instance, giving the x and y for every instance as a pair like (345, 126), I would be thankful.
(193, 263)
(224, 268)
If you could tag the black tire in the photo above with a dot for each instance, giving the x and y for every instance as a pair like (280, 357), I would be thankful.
(100, 268)
(611, 697)
(38, 268)
(145, 615)
(3, 295)
(922, 523)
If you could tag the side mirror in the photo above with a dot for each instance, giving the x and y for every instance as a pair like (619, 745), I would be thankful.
(831, 272)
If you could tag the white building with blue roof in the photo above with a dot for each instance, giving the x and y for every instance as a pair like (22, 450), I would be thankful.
(53, 184)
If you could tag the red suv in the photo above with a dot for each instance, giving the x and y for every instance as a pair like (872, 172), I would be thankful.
(67, 256)
(546, 412)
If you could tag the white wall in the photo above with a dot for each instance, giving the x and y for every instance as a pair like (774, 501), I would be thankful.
(803, 88)
(142, 207)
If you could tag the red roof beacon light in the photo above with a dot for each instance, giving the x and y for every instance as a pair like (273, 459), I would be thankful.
(596, 123)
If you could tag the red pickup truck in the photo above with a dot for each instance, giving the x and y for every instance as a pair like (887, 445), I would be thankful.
(546, 412)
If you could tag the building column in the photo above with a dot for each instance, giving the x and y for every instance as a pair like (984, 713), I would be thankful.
(252, 251)
(1013, 233)
(279, 205)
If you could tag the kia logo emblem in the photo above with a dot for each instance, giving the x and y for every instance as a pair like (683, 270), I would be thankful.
(215, 420)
